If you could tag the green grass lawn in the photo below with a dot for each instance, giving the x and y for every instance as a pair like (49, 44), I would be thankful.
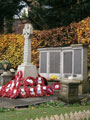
(33, 112)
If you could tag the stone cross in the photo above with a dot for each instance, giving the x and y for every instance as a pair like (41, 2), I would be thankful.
(27, 67)
(27, 32)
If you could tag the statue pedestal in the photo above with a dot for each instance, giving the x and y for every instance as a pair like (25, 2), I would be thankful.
(28, 70)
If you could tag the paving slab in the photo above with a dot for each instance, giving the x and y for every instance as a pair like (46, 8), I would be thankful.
(25, 102)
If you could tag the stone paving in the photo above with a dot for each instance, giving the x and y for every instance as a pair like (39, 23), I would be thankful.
(25, 102)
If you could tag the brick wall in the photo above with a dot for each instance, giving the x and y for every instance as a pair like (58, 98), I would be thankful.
(17, 27)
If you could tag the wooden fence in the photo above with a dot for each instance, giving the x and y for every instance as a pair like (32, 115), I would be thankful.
(84, 115)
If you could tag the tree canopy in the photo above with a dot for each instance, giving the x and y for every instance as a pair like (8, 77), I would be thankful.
(49, 14)
(46, 14)
(8, 8)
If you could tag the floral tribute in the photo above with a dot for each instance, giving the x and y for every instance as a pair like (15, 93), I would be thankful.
(56, 86)
(20, 87)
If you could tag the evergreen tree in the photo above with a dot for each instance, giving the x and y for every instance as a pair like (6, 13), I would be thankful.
(8, 8)
(47, 14)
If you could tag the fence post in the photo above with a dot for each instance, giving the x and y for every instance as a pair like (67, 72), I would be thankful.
(56, 117)
(80, 114)
(52, 118)
(76, 115)
(61, 117)
(66, 116)
(46, 118)
(41, 118)
(36, 119)
(88, 114)
(83, 115)
(71, 116)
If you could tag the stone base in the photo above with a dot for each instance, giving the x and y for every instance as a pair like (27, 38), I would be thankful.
(5, 78)
(28, 70)
(69, 91)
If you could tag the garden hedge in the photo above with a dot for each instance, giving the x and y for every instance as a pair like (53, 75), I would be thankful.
(11, 45)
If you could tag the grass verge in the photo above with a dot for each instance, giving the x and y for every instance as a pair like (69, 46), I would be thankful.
(38, 111)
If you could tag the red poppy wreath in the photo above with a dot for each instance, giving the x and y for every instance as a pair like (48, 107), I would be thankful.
(39, 90)
(56, 86)
(29, 81)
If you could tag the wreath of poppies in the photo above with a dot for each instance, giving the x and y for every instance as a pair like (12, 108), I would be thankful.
(12, 84)
(19, 74)
(28, 87)
(31, 92)
(6, 92)
(18, 79)
(1, 88)
(7, 89)
(44, 90)
(43, 79)
(50, 90)
(40, 81)
(39, 90)
(22, 81)
(17, 84)
(29, 81)
(14, 93)
(56, 86)
(23, 92)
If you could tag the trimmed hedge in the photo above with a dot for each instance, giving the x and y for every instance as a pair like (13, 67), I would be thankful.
(11, 45)
(11, 48)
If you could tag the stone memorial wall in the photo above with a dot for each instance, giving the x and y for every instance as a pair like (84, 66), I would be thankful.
(65, 62)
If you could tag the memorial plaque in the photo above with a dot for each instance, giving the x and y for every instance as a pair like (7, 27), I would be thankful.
(54, 62)
(77, 61)
(67, 62)
(43, 63)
